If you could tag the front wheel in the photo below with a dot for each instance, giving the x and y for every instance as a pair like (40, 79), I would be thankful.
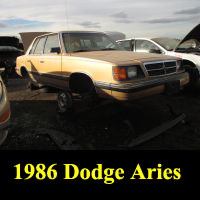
(64, 100)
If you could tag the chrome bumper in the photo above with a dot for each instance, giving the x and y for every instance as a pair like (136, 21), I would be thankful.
(142, 85)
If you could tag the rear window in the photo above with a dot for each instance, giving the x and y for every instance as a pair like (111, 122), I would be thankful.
(40, 46)
(33, 46)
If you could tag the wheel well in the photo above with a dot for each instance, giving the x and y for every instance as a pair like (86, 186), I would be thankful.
(81, 83)
(191, 68)
(187, 62)
(24, 72)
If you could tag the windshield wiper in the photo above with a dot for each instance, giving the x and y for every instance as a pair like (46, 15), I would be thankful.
(108, 49)
(81, 50)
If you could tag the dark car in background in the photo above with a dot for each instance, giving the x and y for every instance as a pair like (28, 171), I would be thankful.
(10, 49)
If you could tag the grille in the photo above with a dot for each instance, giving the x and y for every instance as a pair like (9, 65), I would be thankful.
(161, 68)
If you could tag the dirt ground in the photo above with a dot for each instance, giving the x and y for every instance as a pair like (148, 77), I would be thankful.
(35, 123)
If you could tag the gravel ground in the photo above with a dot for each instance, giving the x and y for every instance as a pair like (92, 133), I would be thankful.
(36, 125)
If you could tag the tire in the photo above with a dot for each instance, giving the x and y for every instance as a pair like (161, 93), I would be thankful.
(3, 136)
(194, 85)
(193, 72)
(65, 102)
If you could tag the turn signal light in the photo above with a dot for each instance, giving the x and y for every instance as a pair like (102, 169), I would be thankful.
(5, 116)
(120, 73)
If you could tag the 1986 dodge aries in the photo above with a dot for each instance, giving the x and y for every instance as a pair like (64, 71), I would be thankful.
(90, 63)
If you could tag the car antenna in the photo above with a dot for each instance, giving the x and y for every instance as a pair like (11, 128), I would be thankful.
(67, 21)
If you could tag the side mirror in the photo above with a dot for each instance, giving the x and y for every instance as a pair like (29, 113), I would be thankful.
(158, 51)
(56, 50)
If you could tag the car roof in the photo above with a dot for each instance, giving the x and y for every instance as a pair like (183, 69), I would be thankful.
(72, 31)
(61, 32)
(28, 37)
(136, 38)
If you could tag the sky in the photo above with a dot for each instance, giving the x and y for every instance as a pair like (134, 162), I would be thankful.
(135, 18)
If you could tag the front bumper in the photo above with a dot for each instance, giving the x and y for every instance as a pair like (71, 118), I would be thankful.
(130, 91)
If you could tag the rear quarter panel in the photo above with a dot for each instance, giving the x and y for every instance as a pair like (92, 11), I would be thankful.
(20, 62)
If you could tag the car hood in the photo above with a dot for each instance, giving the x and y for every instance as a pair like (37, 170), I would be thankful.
(121, 57)
(193, 34)
(9, 49)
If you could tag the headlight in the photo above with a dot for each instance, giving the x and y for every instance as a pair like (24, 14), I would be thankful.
(121, 73)
(132, 72)
(179, 65)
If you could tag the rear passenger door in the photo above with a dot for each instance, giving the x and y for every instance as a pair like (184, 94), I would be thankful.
(50, 61)
(33, 59)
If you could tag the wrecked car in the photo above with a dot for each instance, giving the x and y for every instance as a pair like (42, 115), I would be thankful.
(188, 49)
(10, 49)
(4, 112)
(91, 64)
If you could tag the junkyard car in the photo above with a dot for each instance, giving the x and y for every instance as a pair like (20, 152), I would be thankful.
(4, 112)
(10, 49)
(188, 49)
(90, 63)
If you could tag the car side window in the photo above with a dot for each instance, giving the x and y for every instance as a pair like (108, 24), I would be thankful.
(102, 43)
(52, 42)
(40, 46)
(87, 44)
(126, 45)
(145, 46)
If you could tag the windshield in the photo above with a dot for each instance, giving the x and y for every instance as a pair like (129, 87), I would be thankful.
(167, 43)
(82, 42)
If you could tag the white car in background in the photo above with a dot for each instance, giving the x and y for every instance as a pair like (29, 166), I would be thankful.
(188, 49)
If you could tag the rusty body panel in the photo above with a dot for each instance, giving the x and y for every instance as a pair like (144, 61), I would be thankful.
(55, 69)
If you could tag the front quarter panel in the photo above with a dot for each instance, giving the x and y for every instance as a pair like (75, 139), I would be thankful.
(96, 70)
